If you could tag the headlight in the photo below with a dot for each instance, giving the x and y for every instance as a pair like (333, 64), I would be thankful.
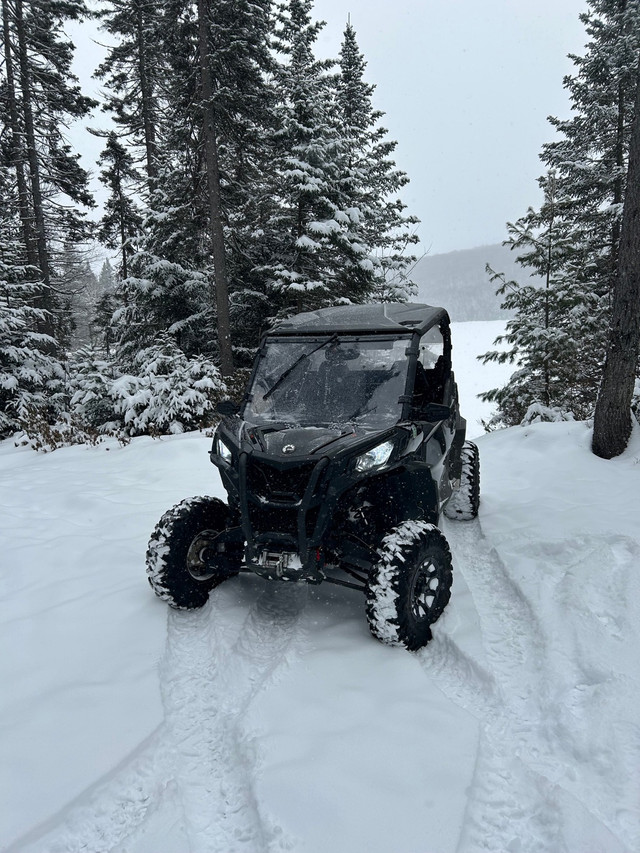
(375, 457)
(223, 451)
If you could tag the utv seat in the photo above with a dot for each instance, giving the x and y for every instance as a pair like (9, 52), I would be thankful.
(340, 389)
(429, 384)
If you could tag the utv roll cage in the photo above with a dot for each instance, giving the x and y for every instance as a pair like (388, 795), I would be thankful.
(393, 319)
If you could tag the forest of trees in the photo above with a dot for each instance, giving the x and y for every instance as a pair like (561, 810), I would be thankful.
(558, 336)
(247, 179)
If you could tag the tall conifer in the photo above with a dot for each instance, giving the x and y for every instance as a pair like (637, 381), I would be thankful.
(122, 218)
(589, 163)
(319, 257)
(370, 179)
(134, 73)
(43, 95)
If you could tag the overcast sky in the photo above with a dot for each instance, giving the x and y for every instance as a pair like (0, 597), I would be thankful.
(466, 86)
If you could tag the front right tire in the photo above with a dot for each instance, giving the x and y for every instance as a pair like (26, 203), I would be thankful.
(180, 568)
(409, 585)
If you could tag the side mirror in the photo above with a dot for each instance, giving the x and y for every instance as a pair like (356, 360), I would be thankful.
(434, 412)
(227, 408)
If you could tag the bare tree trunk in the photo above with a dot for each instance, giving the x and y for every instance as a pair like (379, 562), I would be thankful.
(146, 90)
(618, 188)
(34, 173)
(547, 313)
(612, 424)
(17, 152)
(123, 231)
(221, 287)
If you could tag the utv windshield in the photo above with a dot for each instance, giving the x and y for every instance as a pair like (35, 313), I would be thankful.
(329, 381)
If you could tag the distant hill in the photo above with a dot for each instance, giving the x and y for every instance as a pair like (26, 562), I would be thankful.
(458, 281)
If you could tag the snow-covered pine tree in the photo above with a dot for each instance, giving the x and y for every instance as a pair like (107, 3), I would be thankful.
(172, 283)
(42, 96)
(319, 254)
(551, 335)
(103, 335)
(103, 331)
(31, 380)
(243, 102)
(134, 73)
(589, 163)
(30, 377)
(167, 392)
(107, 277)
(167, 290)
(370, 180)
(590, 158)
(122, 218)
(78, 286)
(91, 403)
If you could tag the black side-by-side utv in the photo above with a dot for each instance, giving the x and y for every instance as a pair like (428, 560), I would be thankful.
(347, 447)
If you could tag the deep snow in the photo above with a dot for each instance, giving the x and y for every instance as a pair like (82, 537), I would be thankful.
(271, 720)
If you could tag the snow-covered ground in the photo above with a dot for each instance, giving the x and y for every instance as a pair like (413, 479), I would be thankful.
(271, 720)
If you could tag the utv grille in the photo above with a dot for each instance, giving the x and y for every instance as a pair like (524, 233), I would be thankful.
(277, 521)
(283, 485)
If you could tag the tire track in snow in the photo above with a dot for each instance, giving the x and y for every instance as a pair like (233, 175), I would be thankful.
(206, 698)
(587, 594)
(509, 807)
(199, 765)
(515, 797)
(105, 813)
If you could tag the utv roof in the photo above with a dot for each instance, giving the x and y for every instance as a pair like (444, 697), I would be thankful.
(386, 317)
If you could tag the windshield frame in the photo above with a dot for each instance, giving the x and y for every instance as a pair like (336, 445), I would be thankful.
(320, 339)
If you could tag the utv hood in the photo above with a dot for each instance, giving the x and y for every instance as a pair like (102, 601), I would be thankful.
(303, 441)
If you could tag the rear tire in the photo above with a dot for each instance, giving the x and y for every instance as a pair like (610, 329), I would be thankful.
(175, 566)
(409, 585)
(464, 502)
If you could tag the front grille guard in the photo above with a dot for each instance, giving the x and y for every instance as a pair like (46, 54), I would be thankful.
(306, 543)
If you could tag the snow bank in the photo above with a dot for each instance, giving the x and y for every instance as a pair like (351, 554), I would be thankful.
(564, 525)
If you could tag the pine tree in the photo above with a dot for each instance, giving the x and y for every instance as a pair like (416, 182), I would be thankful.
(588, 163)
(551, 336)
(167, 289)
(30, 378)
(133, 73)
(370, 179)
(80, 290)
(319, 257)
(43, 96)
(107, 278)
(212, 163)
(590, 158)
(122, 218)
(167, 393)
(102, 334)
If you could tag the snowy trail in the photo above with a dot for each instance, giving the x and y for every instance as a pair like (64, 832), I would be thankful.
(192, 780)
(505, 803)
(206, 698)
(515, 730)
(524, 791)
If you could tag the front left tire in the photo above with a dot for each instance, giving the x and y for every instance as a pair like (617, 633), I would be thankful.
(180, 567)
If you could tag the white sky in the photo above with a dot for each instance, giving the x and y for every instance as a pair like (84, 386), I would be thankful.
(466, 86)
